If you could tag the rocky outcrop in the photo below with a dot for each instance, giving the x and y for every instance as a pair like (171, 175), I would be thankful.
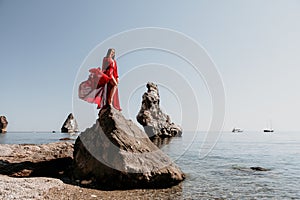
(155, 122)
(116, 154)
(70, 125)
(3, 124)
(28, 160)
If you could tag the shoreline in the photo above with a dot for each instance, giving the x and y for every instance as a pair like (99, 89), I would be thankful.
(53, 189)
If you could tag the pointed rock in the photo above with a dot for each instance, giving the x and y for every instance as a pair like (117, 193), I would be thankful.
(116, 154)
(3, 124)
(70, 125)
(155, 122)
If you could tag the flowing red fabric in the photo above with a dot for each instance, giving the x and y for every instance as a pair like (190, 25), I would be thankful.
(97, 87)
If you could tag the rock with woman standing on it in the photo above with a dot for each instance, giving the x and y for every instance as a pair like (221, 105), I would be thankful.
(116, 154)
(3, 124)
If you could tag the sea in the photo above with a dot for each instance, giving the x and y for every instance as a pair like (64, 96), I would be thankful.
(225, 172)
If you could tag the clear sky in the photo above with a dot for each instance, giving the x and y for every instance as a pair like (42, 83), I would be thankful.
(254, 44)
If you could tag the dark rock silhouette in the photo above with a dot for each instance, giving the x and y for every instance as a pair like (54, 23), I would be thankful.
(155, 122)
(3, 124)
(250, 169)
(259, 169)
(66, 138)
(28, 160)
(70, 125)
(116, 154)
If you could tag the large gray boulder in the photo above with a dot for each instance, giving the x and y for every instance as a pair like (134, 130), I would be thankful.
(116, 154)
(3, 124)
(70, 125)
(155, 122)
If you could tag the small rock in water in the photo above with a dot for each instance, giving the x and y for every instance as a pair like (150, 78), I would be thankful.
(259, 169)
(66, 138)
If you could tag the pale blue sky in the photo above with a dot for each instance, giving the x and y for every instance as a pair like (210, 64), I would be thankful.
(253, 43)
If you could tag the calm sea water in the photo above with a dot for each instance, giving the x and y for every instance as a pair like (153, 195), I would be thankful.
(225, 173)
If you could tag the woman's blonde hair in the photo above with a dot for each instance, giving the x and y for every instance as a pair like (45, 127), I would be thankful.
(109, 51)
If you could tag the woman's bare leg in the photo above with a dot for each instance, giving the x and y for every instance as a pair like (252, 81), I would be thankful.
(112, 93)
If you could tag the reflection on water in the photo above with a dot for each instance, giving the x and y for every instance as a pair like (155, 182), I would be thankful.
(161, 142)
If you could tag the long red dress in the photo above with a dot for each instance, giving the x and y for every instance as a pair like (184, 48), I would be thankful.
(98, 86)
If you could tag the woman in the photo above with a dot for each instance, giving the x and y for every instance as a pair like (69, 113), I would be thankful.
(110, 68)
(102, 86)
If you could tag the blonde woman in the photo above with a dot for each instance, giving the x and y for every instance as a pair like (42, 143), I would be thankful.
(102, 85)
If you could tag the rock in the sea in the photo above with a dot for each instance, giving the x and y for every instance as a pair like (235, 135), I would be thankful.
(27, 160)
(70, 125)
(3, 124)
(151, 117)
(116, 154)
(66, 138)
(259, 169)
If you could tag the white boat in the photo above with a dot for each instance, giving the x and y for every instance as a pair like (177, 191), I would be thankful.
(237, 130)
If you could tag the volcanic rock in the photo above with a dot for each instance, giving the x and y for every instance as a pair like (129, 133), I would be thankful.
(151, 117)
(116, 154)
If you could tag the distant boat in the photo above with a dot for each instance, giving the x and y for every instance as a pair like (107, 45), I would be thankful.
(237, 130)
(269, 130)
